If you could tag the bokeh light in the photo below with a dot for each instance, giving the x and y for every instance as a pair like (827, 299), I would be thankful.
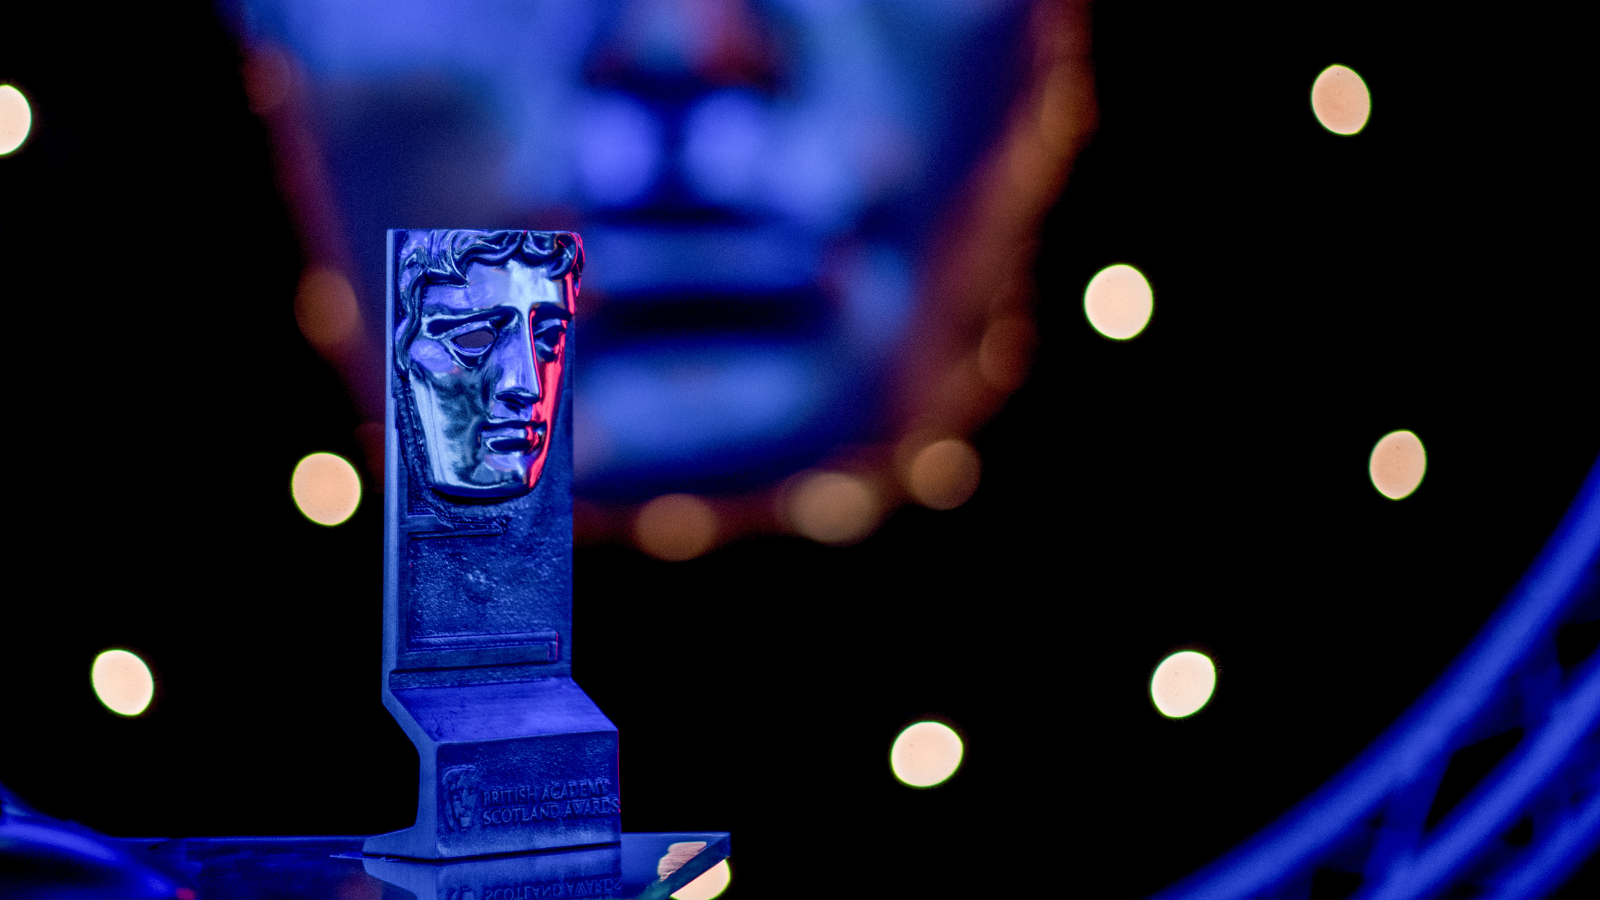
(620, 145)
(1397, 465)
(1183, 683)
(1006, 352)
(926, 754)
(357, 885)
(834, 507)
(944, 474)
(325, 308)
(268, 79)
(123, 682)
(1340, 100)
(677, 855)
(326, 488)
(675, 527)
(1118, 301)
(16, 118)
(711, 883)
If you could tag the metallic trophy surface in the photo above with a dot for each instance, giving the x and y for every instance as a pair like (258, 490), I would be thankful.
(477, 628)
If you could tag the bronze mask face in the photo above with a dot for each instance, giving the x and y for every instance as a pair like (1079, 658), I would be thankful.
(485, 370)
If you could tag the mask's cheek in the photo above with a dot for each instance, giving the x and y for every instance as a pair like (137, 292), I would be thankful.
(550, 384)
(433, 357)
(451, 416)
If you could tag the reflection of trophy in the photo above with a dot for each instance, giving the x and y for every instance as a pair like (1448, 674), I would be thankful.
(477, 658)
(641, 867)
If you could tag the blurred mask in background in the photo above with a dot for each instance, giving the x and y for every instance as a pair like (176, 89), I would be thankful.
(809, 222)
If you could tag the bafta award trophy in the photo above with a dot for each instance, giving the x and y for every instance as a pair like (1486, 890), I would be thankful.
(477, 628)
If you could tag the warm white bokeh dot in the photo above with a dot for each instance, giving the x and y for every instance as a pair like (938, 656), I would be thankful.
(944, 474)
(1006, 352)
(710, 883)
(1183, 683)
(834, 507)
(1118, 301)
(1397, 464)
(1340, 100)
(326, 488)
(16, 118)
(675, 527)
(122, 682)
(325, 308)
(925, 754)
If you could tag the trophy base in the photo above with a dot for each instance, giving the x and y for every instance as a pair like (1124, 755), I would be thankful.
(506, 768)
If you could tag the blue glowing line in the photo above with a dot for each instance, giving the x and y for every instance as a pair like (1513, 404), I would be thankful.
(1556, 857)
(1414, 745)
(1504, 794)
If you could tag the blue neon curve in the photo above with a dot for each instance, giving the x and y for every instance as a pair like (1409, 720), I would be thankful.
(1411, 750)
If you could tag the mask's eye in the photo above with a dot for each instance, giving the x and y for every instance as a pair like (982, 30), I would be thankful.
(473, 342)
(548, 336)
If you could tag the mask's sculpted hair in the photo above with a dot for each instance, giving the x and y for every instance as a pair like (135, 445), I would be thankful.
(443, 257)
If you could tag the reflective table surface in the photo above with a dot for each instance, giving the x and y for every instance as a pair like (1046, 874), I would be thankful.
(643, 866)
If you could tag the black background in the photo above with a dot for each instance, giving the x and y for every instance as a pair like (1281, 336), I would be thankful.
(1203, 486)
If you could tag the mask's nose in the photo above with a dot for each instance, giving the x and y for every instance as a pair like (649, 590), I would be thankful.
(516, 384)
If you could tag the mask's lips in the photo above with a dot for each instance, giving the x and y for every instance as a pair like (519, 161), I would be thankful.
(513, 437)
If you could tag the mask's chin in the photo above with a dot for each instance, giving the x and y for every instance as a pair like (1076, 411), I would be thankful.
(501, 476)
